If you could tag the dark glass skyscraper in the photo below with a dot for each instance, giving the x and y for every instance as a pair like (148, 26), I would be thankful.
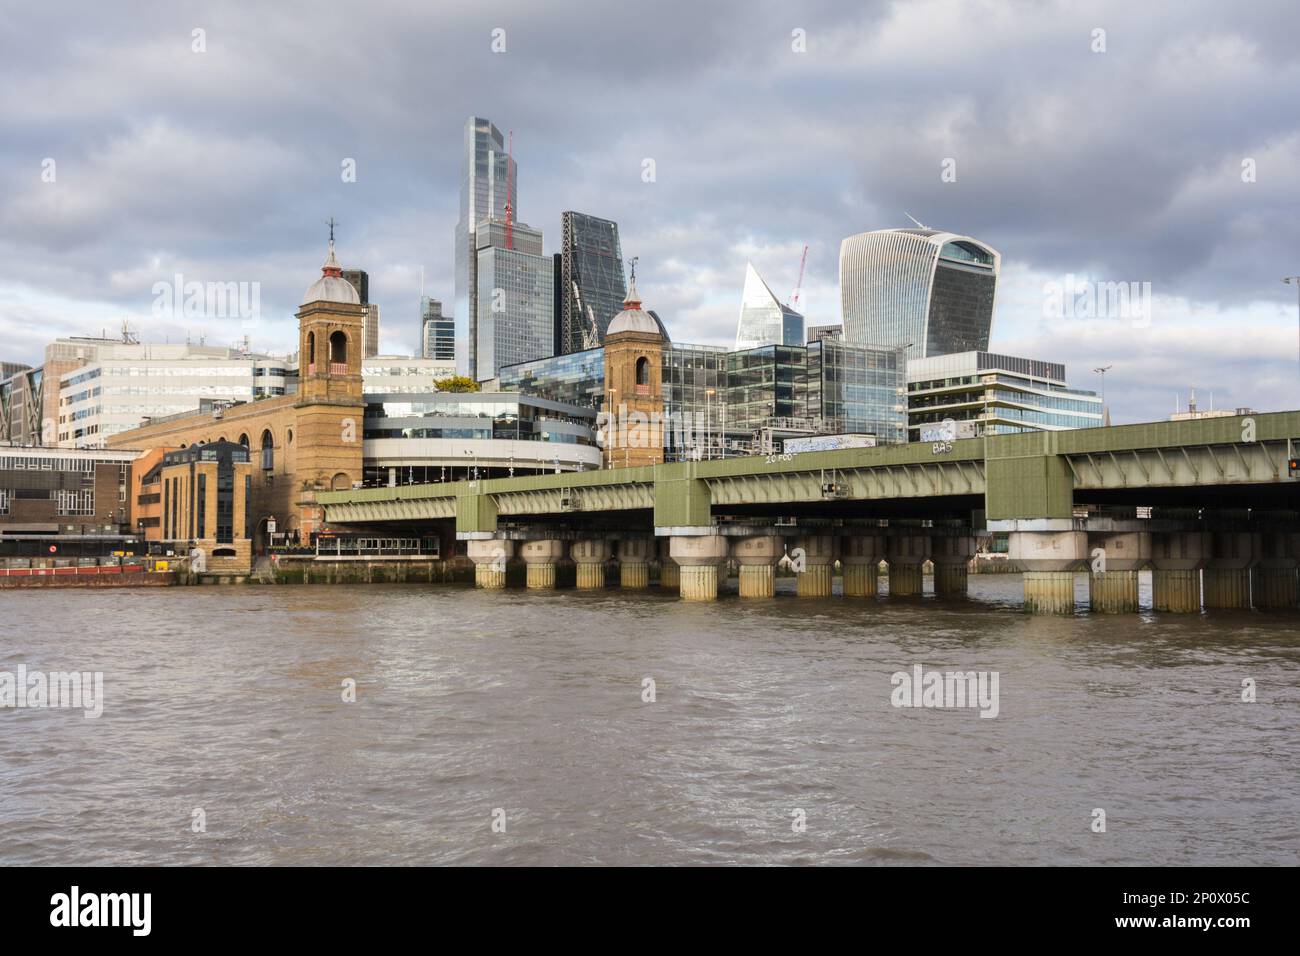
(928, 291)
(487, 182)
(592, 286)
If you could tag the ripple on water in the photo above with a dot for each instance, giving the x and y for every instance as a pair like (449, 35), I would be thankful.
(529, 703)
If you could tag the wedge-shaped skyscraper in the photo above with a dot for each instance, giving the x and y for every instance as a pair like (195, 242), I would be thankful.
(763, 319)
(929, 291)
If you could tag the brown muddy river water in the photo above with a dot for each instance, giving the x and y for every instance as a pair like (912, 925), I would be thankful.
(772, 737)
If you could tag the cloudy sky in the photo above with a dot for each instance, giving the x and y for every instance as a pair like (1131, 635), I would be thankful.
(1165, 150)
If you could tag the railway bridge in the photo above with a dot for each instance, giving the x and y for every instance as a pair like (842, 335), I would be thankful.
(1210, 506)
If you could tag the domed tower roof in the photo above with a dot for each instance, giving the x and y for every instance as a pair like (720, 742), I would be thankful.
(331, 286)
(635, 319)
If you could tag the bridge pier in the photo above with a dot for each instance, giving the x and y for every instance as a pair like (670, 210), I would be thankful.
(699, 556)
(819, 553)
(1176, 560)
(541, 558)
(860, 556)
(590, 555)
(951, 554)
(634, 563)
(669, 571)
(757, 557)
(1113, 582)
(490, 556)
(907, 553)
(1048, 557)
(1274, 580)
(1226, 578)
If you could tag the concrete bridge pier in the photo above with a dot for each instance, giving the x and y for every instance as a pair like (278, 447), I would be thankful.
(1274, 580)
(634, 562)
(669, 571)
(1048, 553)
(907, 553)
(590, 555)
(757, 557)
(951, 554)
(541, 558)
(1115, 557)
(860, 557)
(490, 556)
(1176, 561)
(815, 567)
(1226, 578)
(699, 556)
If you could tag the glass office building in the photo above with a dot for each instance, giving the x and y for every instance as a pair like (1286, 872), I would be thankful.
(443, 436)
(764, 320)
(858, 390)
(439, 331)
(714, 396)
(983, 393)
(487, 182)
(766, 383)
(826, 387)
(516, 321)
(592, 284)
(928, 291)
(576, 379)
(21, 403)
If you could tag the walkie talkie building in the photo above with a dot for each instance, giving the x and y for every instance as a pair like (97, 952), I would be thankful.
(925, 290)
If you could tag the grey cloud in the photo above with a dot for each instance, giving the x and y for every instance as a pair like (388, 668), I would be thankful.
(224, 165)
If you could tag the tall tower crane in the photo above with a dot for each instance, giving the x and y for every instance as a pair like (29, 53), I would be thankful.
(510, 222)
(798, 286)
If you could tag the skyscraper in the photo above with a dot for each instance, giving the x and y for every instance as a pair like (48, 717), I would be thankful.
(487, 182)
(927, 290)
(438, 338)
(360, 280)
(763, 319)
(515, 298)
(592, 287)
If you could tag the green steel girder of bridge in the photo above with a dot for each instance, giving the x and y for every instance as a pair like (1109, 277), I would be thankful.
(1029, 475)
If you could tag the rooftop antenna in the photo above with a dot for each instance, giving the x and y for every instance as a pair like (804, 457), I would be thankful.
(919, 224)
(421, 283)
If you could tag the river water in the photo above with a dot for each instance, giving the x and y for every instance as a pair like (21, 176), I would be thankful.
(229, 700)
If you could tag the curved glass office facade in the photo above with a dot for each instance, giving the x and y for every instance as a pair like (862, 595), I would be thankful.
(929, 291)
(480, 415)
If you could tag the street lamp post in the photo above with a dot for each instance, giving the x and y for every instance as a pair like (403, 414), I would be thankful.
(1294, 280)
(724, 431)
(1102, 370)
(708, 423)
(610, 430)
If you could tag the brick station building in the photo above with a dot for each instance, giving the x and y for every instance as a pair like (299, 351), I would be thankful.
(298, 444)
